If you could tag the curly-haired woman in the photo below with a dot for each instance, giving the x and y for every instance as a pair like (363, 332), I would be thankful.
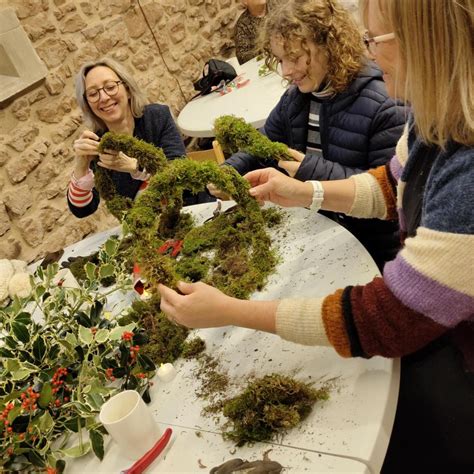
(337, 115)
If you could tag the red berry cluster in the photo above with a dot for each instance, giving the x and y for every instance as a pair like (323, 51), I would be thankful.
(57, 382)
(127, 336)
(4, 419)
(141, 375)
(29, 397)
(133, 352)
(109, 373)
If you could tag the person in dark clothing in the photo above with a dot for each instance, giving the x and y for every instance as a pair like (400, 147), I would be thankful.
(111, 101)
(247, 28)
(336, 117)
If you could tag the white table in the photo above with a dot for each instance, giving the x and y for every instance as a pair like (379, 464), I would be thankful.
(348, 433)
(253, 102)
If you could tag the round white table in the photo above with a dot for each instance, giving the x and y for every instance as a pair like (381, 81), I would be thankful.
(347, 433)
(253, 102)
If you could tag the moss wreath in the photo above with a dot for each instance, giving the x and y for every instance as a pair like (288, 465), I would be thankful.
(232, 251)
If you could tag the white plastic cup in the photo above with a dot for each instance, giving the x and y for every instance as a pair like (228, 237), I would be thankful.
(130, 423)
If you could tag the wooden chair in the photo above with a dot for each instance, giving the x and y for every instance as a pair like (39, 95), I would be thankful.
(215, 154)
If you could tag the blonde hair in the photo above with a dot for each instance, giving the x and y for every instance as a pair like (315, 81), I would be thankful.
(436, 41)
(326, 24)
(138, 100)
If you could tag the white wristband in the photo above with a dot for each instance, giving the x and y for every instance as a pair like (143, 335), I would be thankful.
(318, 196)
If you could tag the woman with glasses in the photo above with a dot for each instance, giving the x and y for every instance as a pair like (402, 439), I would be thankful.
(336, 115)
(111, 100)
(422, 310)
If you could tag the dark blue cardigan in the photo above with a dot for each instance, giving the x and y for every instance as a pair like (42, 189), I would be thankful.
(359, 130)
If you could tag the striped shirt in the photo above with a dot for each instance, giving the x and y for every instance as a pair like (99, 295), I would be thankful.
(313, 144)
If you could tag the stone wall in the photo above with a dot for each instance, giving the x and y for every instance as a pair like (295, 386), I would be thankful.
(39, 126)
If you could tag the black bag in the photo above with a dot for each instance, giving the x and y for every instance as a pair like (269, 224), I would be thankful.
(213, 73)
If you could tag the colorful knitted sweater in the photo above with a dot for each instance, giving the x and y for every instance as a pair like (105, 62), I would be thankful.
(428, 289)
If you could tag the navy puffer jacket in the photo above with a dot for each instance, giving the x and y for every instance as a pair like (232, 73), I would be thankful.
(359, 130)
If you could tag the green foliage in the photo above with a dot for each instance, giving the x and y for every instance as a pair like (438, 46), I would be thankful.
(62, 357)
(117, 254)
(242, 256)
(270, 405)
(235, 134)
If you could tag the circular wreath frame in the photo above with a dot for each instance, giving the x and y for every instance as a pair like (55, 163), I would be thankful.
(156, 216)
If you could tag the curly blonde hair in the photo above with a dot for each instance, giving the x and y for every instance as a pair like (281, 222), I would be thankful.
(325, 23)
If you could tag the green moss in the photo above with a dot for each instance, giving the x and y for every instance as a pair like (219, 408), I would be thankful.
(150, 158)
(270, 405)
(234, 134)
(193, 348)
(166, 338)
(232, 252)
(238, 255)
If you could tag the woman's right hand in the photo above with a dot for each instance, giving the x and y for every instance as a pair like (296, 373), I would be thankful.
(85, 148)
(271, 185)
(87, 144)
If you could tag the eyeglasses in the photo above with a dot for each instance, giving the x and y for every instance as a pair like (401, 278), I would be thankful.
(371, 43)
(110, 88)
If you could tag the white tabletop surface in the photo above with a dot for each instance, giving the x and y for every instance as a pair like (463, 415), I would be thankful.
(253, 102)
(347, 433)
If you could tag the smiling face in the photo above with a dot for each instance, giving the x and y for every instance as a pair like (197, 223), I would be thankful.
(112, 110)
(295, 67)
(386, 54)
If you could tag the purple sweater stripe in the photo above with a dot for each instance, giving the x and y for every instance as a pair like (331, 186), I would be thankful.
(396, 168)
(420, 293)
(401, 220)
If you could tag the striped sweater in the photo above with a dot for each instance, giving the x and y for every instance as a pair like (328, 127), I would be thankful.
(428, 289)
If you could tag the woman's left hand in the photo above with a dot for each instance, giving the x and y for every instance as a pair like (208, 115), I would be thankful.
(199, 305)
(292, 167)
(117, 161)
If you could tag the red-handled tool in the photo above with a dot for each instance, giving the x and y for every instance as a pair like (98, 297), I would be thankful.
(150, 455)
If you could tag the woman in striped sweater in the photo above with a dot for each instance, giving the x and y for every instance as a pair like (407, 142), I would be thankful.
(423, 308)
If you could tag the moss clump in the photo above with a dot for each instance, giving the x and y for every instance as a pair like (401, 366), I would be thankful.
(149, 157)
(235, 134)
(272, 217)
(165, 339)
(270, 405)
(191, 349)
